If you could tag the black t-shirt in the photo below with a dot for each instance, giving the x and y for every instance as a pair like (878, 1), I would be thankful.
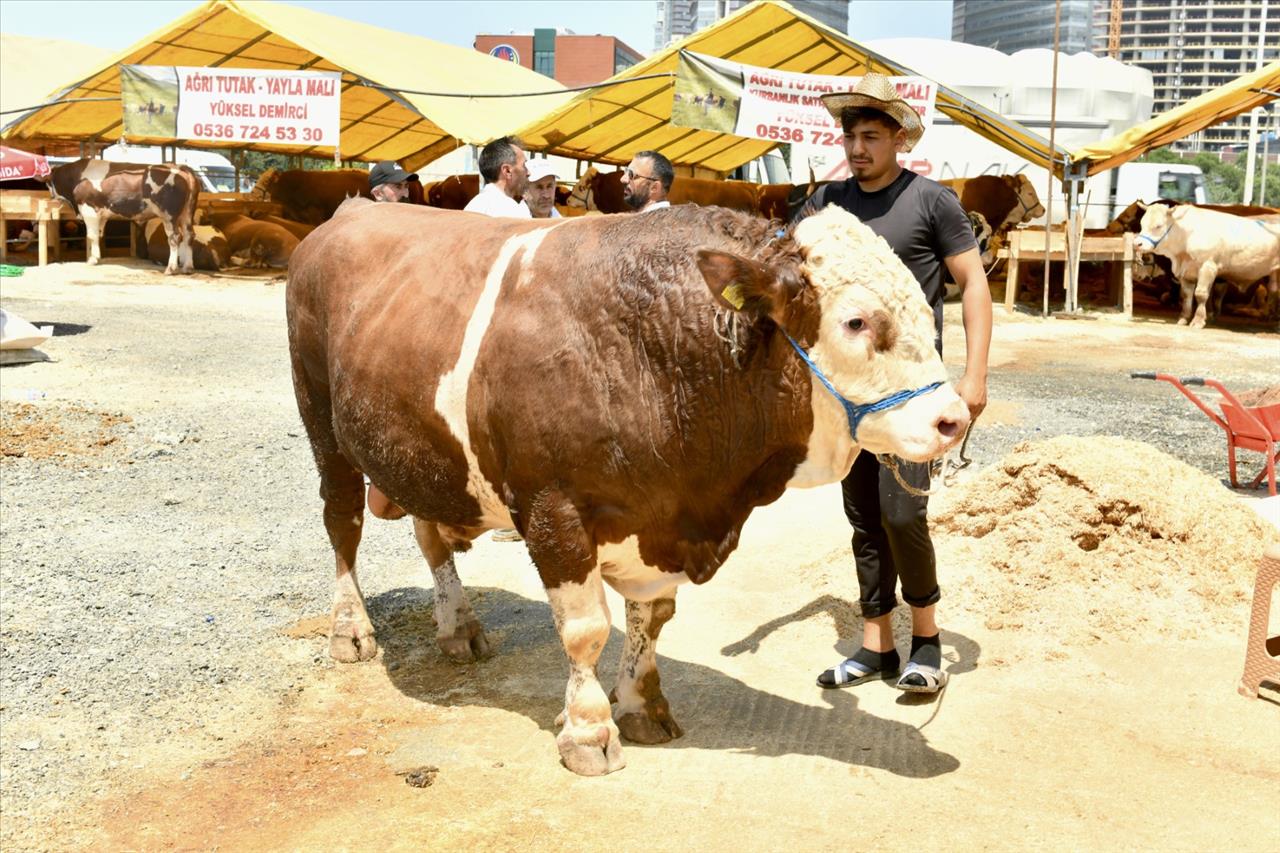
(920, 219)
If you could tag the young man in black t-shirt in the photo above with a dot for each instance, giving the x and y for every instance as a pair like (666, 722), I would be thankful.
(923, 223)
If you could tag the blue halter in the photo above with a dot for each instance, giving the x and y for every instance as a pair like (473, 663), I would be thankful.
(854, 411)
(1155, 243)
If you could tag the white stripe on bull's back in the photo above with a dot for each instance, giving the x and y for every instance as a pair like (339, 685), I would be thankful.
(451, 395)
(94, 172)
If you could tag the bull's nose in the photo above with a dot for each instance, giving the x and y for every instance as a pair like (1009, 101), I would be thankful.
(952, 422)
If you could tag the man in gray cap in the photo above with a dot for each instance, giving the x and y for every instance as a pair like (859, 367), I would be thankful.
(388, 182)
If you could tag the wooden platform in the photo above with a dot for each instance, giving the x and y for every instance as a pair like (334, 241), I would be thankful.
(43, 211)
(1026, 245)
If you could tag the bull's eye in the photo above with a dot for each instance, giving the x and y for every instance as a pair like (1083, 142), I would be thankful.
(854, 325)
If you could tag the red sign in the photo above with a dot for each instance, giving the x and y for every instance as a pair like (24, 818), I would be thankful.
(18, 165)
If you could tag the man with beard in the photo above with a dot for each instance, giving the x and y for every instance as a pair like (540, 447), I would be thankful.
(923, 223)
(646, 181)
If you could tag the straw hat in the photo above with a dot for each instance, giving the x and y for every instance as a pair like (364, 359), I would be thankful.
(875, 91)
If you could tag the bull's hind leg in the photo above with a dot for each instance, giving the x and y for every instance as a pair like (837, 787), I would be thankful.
(342, 490)
(642, 713)
(458, 632)
(351, 636)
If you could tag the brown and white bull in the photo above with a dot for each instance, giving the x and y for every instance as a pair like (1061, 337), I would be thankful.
(100, 190)
(1205, 245)
(622, 390)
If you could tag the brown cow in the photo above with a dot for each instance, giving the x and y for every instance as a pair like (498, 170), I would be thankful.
(621, 389)
(100, 190)
(256, 244)
(453, 192)
(1003, 200)
(311, 196)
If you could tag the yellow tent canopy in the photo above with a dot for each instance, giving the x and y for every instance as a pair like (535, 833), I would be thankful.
(377, 123)
(608, 124)
(28, 74)
(1217, 105)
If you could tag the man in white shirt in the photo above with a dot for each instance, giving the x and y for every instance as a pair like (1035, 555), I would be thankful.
(646, 181)
(502, 165)
(540, 196)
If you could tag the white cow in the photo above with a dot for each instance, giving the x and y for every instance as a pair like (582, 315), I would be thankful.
(1205, 245)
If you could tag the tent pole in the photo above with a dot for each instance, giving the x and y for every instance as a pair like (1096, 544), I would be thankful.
(1253, 115)
(1053, 118)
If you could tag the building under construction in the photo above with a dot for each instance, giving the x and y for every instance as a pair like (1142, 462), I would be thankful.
(1190, 47)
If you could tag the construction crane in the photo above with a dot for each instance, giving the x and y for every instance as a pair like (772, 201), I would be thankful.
(1113, 31)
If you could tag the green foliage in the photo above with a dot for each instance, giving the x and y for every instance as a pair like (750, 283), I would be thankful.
(257, 162)
(1224, 182)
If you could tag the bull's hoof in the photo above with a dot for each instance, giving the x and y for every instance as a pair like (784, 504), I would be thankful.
(349, 644)
(1182, 321)
(1197, 323)
(649, 726)
(93, 262)
(591, 750)
(465, 645)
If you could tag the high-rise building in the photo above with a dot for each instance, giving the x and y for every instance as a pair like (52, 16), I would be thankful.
(679, 18)
(1012, 25)
(1190, 47)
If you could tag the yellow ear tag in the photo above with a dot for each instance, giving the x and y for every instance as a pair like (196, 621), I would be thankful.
(733, 295)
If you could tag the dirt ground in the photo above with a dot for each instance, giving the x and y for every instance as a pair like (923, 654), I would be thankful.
(1085, 722)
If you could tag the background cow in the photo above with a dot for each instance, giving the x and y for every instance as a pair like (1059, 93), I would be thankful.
(254, 243)
(209, 248)
(602, 191)
(309, 196)
(1204, 245)
(100, 190)
(622, 390)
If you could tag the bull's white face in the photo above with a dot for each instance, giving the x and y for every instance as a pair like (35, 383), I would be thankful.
(1155, 225)
(876, 337)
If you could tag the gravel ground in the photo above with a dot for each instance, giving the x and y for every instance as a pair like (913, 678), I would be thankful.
(145, 581)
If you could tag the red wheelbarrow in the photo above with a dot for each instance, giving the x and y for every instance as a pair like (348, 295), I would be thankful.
(1252, 428)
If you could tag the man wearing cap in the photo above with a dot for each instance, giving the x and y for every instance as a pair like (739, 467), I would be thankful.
(924, 224)
(503, 167)
(646, 181)
(540, 195)
(388, 182)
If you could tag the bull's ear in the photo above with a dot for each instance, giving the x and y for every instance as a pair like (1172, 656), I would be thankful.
(747, 286)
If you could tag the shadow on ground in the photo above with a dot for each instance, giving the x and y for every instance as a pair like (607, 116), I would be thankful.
(527, 673)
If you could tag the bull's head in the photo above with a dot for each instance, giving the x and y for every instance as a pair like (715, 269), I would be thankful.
(858, 315)
(1157, 222)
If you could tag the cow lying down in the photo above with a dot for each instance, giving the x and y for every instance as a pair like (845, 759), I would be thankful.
(624, 390)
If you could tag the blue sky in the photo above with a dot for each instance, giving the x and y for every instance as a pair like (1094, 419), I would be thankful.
(116, 25)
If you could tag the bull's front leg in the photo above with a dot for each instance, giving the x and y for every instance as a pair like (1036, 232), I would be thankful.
(588, 742)
(642, 713)
(566, 558)
(1188, 291)
(93, 222)
(1204, 286)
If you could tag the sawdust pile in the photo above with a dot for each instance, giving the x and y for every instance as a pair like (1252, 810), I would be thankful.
(1255, 397)
(1081, 539)
(56, 432)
